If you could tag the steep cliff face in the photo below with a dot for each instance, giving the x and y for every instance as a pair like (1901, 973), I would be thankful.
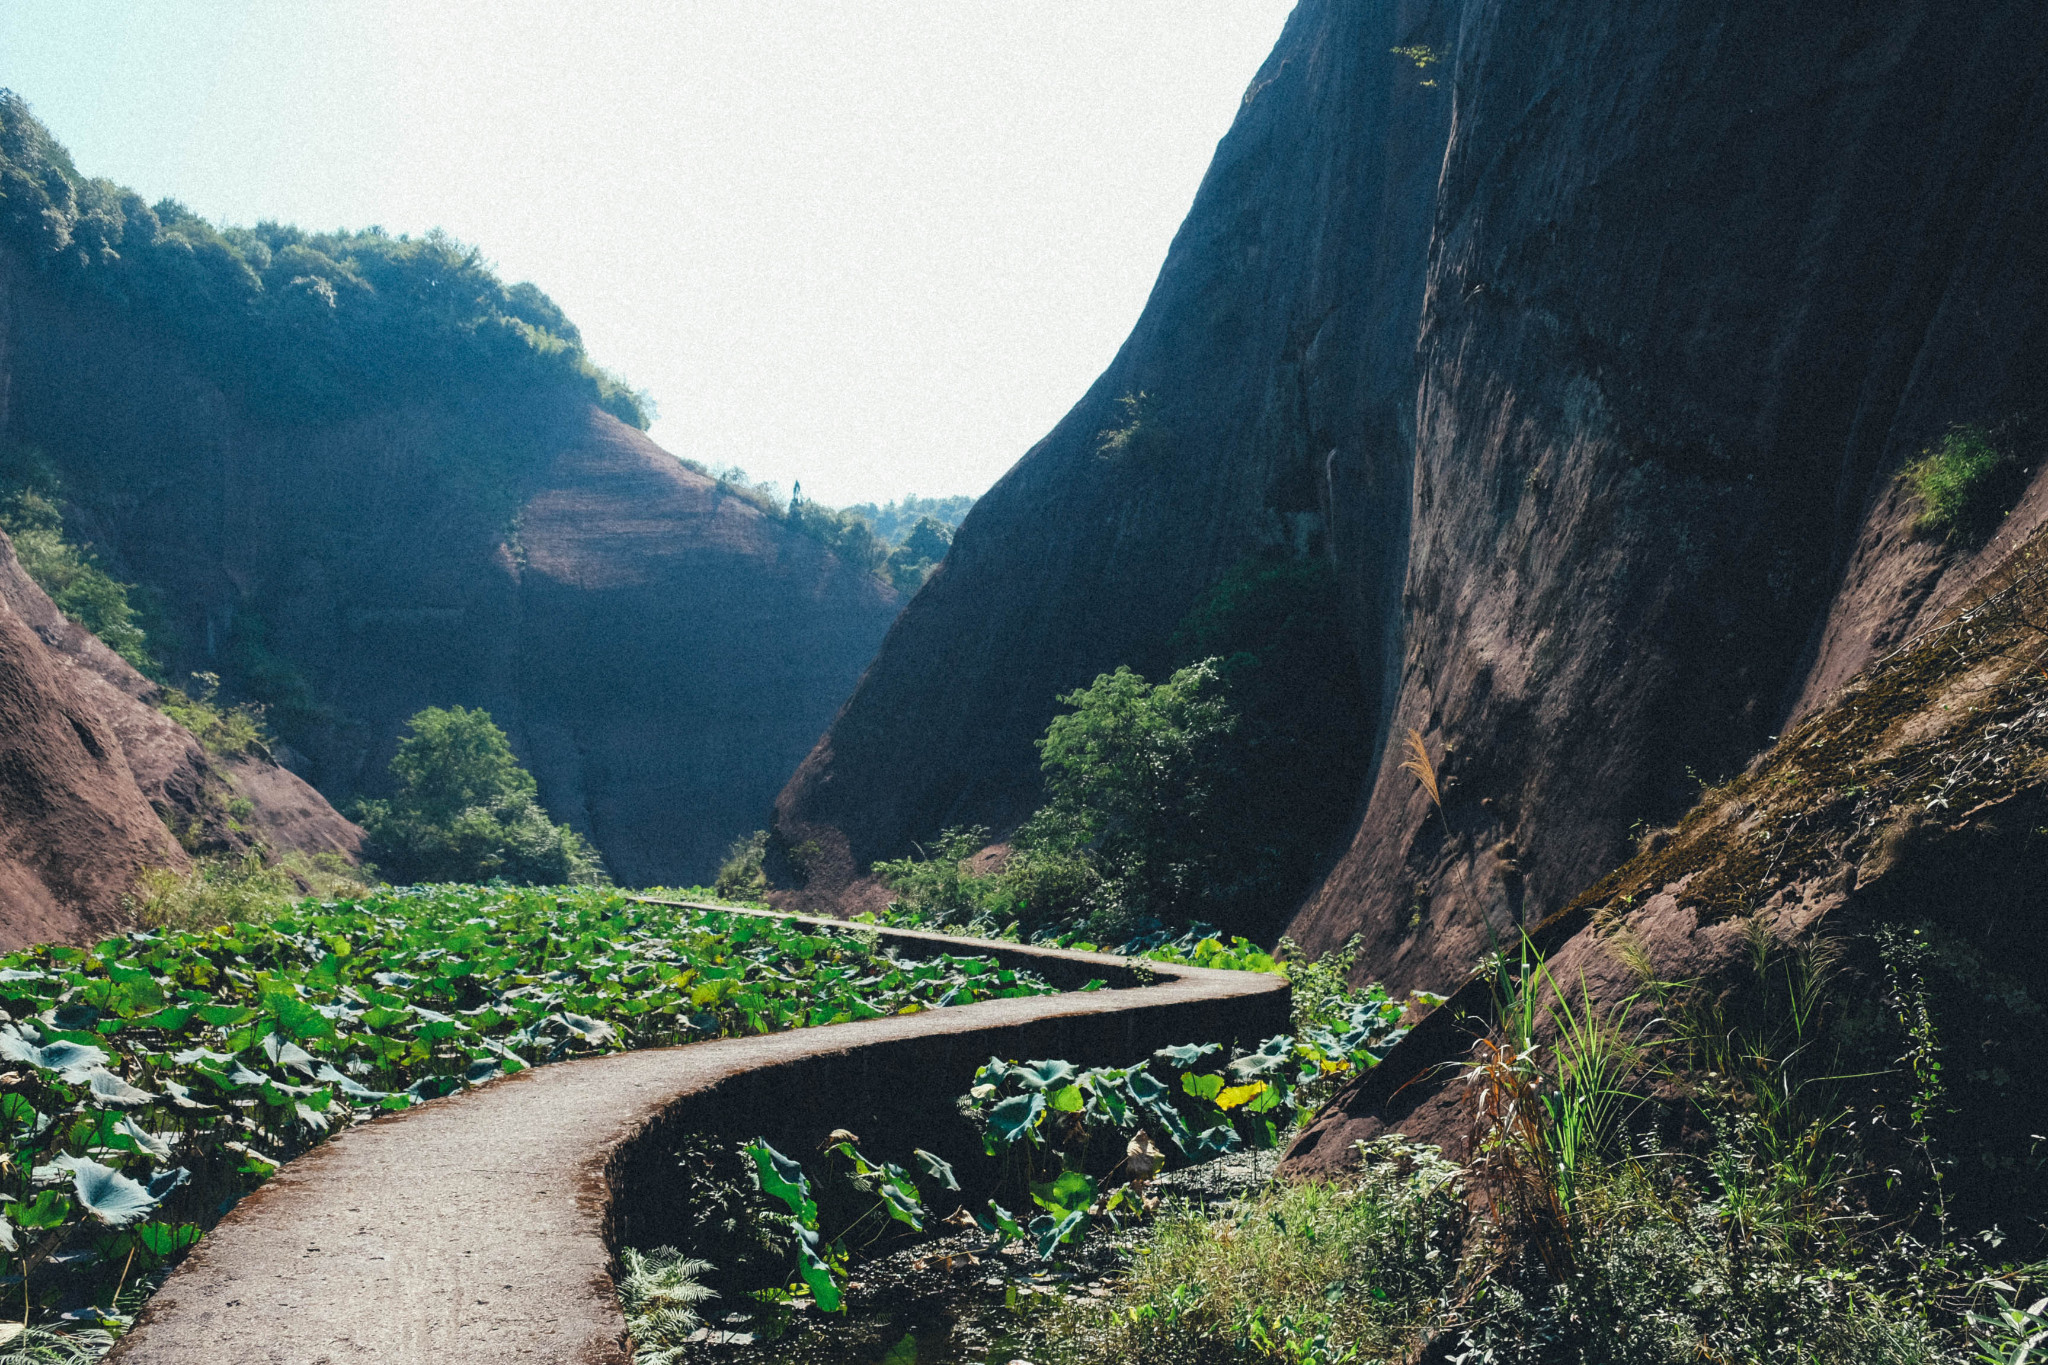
(1703, 279)
(1275, 360)
(1588, 353)
(661, 656)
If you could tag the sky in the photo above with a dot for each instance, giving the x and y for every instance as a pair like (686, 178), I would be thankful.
(880, 247)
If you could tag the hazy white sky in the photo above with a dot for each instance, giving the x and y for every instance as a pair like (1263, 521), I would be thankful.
(880, 247)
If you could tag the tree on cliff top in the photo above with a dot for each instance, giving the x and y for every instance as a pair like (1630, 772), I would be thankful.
(305, 326)
(465, 810)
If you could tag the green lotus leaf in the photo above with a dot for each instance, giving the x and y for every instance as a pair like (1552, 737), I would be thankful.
(105, 1193)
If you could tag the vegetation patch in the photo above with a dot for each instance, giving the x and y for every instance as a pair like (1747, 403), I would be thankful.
(158, 1077)
(309, 326)
(465, 810)
(1966, 481)
(1179, 802)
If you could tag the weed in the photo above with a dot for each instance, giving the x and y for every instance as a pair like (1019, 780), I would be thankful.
(225, 890)
(1418, 763)
(1306, 1273)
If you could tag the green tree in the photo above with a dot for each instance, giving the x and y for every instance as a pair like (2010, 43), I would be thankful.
(1132, 777)
(464, 810)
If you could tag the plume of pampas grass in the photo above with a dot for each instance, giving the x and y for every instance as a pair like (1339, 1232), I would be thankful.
(1425, 772)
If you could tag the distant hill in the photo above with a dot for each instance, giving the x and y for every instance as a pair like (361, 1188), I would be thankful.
(894, 521)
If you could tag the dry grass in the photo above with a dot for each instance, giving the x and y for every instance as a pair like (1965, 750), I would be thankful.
(1418, 762)
(234, 890)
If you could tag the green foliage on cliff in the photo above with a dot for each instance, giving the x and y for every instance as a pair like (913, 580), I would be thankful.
(229, 731)
(303, 326)
(1966, 481)
(903, 556)
(73, 577)
(465, 811)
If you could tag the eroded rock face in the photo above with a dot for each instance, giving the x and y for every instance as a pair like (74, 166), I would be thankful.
(661, 654)
(196, 794)
(1590, 366)
(1888, 849)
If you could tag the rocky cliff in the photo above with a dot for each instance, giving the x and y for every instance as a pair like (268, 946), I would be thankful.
(1587, 344)
(96, 784)
(661, 654)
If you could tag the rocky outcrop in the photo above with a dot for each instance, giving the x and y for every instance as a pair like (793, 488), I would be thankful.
(1886, 850)
(76, 826)
(1587, 344)
(1276, 362)
(661, 654)
(217, 804)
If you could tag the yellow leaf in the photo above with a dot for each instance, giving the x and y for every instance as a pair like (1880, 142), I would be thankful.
(1238, 1094)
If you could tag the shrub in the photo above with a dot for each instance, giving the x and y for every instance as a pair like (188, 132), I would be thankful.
(229, 731)
(465, 811)
(240, 890)
(741, 876)
(1966, 481)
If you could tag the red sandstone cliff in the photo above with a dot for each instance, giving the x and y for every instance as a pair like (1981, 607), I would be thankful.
(1588, 356)
(662, 655)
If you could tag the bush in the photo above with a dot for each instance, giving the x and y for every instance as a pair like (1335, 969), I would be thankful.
(1966, 482)
(465, 811)
(240, 890)
(229, 731)
(741, 877)
(73, 578)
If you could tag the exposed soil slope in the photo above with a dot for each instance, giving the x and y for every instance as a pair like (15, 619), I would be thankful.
(661, 656)
(1587, 352)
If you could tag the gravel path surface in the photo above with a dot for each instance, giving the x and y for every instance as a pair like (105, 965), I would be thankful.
(472, 1229)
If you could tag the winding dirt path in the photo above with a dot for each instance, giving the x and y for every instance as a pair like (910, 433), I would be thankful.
(481, 1227)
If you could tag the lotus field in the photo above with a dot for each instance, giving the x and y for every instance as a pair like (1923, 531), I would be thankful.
(156, 1078)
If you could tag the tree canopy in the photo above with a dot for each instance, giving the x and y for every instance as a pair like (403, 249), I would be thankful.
(302, 326)
(465, 810)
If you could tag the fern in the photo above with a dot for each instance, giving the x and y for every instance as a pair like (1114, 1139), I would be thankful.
(659, 1292)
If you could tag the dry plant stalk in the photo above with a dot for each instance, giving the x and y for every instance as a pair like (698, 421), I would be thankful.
(1513, 1162)
(1425, 771)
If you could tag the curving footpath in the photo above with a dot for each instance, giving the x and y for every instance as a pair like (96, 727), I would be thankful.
(482, 1227)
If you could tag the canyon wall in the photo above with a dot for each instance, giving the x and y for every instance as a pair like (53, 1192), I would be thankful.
(661, 654)
(1586, 342)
